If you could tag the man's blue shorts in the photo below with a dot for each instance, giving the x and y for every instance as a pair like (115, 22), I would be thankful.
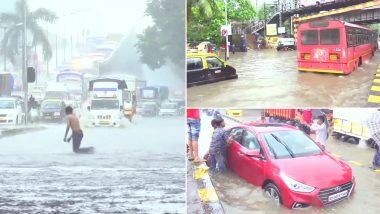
(194, 127)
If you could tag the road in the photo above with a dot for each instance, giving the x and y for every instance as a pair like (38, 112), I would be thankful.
(134, 170)
(269, 78)
(238, 196)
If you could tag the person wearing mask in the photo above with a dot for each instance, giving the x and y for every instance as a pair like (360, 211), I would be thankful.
(194, 126)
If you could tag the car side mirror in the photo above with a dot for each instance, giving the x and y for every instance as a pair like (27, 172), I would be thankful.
(254, 154)
(88, 108)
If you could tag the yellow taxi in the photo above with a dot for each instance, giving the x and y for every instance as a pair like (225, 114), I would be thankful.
(207, 68)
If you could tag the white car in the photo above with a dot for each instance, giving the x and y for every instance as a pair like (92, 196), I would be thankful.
(168, 109)
(10, 111)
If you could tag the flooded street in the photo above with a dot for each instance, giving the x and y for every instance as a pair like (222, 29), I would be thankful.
(127, 174)
(270, 78)
(239, 196)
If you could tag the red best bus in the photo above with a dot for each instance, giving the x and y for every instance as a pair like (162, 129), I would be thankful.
(334, 46)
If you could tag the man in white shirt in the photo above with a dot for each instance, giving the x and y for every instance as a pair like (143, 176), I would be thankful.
(320, 130)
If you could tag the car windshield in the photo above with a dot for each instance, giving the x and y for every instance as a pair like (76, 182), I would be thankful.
(7, 104)
(289, 144)
(104, 104)
(51, 104)
(169, 106)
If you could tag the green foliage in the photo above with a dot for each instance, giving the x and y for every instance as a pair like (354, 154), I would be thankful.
(201, 27)
(262, 16)
(11, 39)
(161, 41)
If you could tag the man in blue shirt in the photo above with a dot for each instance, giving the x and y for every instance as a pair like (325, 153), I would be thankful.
(218, 146)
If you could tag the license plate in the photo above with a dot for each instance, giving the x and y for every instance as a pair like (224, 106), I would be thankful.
(104, 122)
(218, 71)
(338, 195)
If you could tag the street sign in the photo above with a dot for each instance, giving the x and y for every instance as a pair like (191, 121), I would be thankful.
(225, 30)
(281, 30)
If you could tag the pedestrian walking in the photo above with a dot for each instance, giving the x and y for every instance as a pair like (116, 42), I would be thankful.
(218, 147)
(320, 130)
(373, 123)
(233, 48)
(194, 126)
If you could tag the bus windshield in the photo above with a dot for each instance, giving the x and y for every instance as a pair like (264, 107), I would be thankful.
(309, 37)
(104, 104)
(56, 94)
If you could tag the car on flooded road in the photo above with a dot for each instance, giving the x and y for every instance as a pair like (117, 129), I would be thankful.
(292, 169)
(205, 68)
(52, 110)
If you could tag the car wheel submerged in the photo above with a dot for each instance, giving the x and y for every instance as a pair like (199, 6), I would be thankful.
(273, 193)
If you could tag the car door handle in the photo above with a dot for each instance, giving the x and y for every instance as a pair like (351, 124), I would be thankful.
(240, 154)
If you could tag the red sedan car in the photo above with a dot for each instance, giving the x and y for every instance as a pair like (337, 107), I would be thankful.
(291, 168)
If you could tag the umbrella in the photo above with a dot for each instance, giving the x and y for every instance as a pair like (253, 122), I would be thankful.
(373, 123)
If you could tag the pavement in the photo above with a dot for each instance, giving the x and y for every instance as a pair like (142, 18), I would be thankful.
(13, 130)
(201, 194)
(374, 93)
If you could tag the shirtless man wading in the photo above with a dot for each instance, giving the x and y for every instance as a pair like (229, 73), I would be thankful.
(73, 123)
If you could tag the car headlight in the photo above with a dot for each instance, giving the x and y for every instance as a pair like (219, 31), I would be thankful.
(295, 185)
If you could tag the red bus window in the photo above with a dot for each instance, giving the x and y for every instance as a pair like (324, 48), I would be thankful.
(349, 40)
(309, 37)
(330, 37)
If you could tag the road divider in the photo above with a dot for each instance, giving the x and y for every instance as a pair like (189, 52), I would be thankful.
(374, 93)
(8, 131)
(206, 193)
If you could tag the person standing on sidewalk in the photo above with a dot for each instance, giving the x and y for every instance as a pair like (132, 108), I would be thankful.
(373, 123)
(194, 127)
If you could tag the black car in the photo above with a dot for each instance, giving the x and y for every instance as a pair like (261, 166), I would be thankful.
(205, 68)
(52, 110)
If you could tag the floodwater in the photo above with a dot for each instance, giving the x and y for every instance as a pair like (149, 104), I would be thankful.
(239, 196)
(133, 170)
(270, 78)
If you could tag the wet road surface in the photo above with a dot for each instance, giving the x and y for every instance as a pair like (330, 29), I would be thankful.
(133, 170)
(239, 196)
(268, 78)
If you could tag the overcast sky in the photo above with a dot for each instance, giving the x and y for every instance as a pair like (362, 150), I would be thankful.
(97, 16)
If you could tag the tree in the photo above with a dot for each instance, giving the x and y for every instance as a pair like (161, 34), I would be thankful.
(206, 8)
(200, 27)
(265, 15)
(163, 40)
(10, 43)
